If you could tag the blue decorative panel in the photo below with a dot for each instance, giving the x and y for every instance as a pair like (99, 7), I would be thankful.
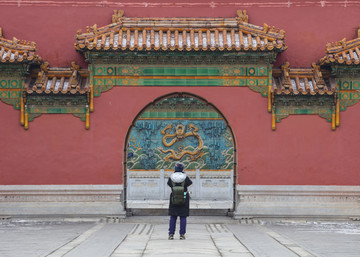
(200, 143)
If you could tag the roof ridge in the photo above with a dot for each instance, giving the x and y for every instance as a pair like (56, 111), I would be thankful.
(304, 81)
(343, 52)
(184, 23)
(69, 80)
(16, 43)
(181, 33)
(16, 50)
(333, 47)
(342, 45)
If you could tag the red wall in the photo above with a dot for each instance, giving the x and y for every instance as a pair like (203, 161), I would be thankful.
(58, 150)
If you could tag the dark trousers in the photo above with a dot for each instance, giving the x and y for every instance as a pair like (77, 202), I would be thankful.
(172, 225)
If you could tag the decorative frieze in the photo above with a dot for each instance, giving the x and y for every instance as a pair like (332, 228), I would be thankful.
(12, 84)
(159, 70)
(348, 91)
(179, 58)
(287, 105)
(105, 76)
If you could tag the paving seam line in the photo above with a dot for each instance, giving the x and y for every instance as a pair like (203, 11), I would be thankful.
(147, 242)
(134, 231)
(114, 252)
(214, 229)
(212, 239)
(64, 249)
(239, 240)
(289, 244)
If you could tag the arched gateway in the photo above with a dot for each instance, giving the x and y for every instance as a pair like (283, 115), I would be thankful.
(180, 53)
(180, 127)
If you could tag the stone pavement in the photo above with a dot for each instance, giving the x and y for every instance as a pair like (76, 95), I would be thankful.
(206, 236)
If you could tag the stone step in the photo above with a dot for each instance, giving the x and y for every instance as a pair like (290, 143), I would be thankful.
(197, 208)
(194, 204)
(164, 212)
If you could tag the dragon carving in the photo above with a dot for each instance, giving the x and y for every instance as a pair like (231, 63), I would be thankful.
(180, 135)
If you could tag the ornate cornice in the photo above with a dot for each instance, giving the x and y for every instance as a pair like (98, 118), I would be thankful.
(174, 58)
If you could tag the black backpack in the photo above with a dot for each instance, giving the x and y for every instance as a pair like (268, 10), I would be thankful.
(178, 193)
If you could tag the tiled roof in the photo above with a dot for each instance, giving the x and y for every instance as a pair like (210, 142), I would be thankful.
(182, 34)
(16, 51)
(58, 81)
(343, 52)
(288, 81)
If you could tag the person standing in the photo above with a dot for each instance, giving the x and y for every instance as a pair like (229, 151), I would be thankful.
(179, 200)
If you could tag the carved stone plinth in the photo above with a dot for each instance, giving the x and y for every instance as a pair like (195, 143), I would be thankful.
(207, 185)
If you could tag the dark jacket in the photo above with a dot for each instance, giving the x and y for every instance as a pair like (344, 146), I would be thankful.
(181, 210)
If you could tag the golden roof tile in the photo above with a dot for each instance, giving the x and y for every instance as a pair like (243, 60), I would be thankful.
(343, 52)
(181, 34)
(16, 51)
(288, 81)
(58, 80)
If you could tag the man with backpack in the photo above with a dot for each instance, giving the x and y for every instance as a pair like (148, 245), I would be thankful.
(179, 200)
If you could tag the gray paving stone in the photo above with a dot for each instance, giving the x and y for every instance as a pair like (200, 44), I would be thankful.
(198, 241)
(103, 242)
(206, 236)
(291, 245)
(28, 239)
(258, 242)
(136, 241)
(76, 242)
(226, 243)
(327, 239)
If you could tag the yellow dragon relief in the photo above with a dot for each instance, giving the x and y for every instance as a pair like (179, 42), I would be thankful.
(180, 135)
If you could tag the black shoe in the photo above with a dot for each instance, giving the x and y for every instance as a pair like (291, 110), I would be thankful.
(171, 236)
(182, 237)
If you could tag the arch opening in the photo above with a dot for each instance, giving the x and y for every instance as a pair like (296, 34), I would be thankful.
(180, 127)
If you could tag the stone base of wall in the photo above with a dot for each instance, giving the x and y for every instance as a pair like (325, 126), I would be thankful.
(252, 201)
(298, 201)
(63, 200)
